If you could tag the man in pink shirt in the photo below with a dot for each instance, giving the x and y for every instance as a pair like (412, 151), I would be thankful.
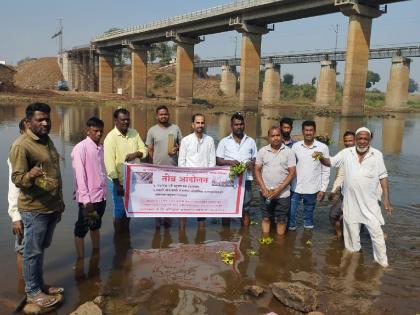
(89, 185)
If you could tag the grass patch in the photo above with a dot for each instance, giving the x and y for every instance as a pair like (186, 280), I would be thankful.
(162, 80)
(374, 99)
(414, 103)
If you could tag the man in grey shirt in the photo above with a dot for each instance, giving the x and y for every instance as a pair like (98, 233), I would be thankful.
(275, 168)
(163, 140)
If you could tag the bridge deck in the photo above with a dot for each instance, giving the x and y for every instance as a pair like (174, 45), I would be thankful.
(224, 18)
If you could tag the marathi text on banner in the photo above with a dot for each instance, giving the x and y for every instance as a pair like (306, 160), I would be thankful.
(168, 191)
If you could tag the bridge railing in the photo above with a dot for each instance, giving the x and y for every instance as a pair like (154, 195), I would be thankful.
(314, 56)
(188, 17)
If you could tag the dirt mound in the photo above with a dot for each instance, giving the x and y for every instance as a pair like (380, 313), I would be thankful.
(7, 74)
(41, 73)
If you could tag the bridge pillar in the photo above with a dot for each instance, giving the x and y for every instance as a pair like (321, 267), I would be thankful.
(138, 71)
(85, 71)
(77, 68)
(271, 86)
(91, 70)
(228, 81)
(397, 88)
(184, 66)
(80, 71)
(250, 70)
(325, 92)
(357, 57)
(105, 72)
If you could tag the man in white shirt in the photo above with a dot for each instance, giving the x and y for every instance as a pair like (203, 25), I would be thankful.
(234, 149)
(197, 150)
(311, 180)
(13, 211)
(364, 172)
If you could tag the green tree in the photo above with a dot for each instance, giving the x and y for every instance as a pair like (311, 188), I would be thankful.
(165, 52)
(313, 82)
(372, 78)
(412, 86)
(288, 79)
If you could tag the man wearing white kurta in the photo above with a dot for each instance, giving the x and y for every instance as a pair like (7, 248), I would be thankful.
(364, 171)
(197, 150)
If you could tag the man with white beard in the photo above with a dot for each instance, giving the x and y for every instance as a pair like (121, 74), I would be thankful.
(364, 173)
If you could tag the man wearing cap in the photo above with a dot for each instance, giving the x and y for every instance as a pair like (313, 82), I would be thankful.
(364, 175)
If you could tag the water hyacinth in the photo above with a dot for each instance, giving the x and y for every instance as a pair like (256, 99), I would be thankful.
(236, 170)
(227, 257)
(266, 240)
(251, 252)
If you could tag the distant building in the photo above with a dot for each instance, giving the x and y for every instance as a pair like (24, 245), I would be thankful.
(7, 78)
(2, 62)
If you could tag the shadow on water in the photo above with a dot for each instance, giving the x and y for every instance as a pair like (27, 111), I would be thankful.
(179, 271)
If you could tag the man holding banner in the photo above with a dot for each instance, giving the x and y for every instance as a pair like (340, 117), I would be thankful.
(234, 149)
(196, 150)
(122, 144)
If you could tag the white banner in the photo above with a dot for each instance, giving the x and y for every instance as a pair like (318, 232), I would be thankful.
(168, 191)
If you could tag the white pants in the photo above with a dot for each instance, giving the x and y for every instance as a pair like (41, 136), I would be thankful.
(352, 241)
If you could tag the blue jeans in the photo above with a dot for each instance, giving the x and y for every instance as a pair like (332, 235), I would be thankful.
(38, 232)
(118, 202)
(309, 201)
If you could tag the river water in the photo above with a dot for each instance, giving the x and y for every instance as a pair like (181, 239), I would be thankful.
(161, 272)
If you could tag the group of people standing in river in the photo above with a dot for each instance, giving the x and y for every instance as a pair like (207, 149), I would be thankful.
(288, 172)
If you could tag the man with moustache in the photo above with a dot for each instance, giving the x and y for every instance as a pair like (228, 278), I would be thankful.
(364, 172)
(275, 168)
(90, 190)
(234, 149)
(336, 210)
(311, 180)
(122, 144)
(36, 171)
(197, 150)
(157, 140)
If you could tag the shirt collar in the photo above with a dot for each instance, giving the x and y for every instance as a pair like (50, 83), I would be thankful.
(271, 150)
(91, 142)
(242, 140)
(314, 144)
(197, 139)
(35, 137)
(118, 133)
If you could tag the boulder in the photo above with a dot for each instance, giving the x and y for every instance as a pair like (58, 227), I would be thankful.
(295, 295)
(99, 300)
(254, 290)
(88, 308)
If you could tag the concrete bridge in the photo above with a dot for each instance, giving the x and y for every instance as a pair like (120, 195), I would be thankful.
(251, 18)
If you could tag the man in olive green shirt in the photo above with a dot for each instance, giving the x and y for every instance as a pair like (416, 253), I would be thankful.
(122, 144)
(36, 171)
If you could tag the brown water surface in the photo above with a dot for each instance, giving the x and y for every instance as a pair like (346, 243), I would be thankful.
(167, 271)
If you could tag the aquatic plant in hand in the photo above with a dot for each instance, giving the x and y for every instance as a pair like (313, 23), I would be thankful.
(236, 170)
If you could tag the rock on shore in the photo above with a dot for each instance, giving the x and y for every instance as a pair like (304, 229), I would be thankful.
(295, 295)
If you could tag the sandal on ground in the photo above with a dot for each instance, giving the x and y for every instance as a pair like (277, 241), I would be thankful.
(42, 300)
(49, 289)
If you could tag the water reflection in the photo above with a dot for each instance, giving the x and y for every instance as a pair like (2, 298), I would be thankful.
(393, 134)
(346, 283)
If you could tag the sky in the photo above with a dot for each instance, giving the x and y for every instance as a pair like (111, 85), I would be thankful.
(26, 28)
